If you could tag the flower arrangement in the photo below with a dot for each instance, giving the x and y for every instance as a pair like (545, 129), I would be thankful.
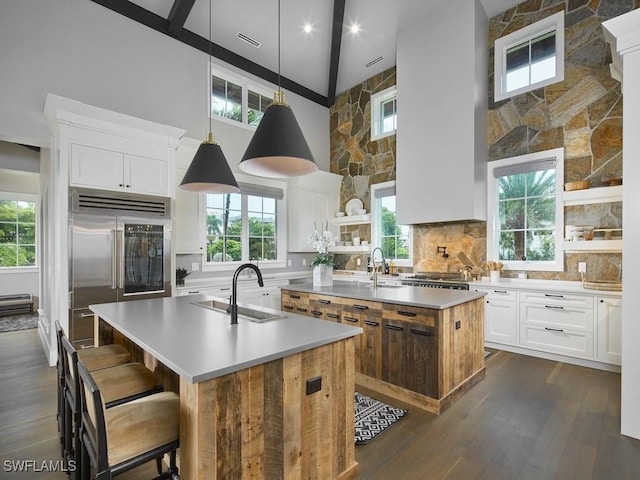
(321, 242)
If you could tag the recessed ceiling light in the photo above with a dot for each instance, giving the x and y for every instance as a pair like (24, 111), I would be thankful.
(307, 28)
(355, 28)
(249, 40)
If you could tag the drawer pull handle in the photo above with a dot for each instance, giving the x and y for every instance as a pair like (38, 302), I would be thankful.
(326, 302)
(553, 296)
(300, 309)
(194, 291)
(224, 289)
(351, 319)
(420, 332)
(406, 314)
(553, 329)
(360, 307)
(288, 307)
(332, 315)
(394, 327)
(85, 315)
(316, 312)
(297, 297)
(371, 323)
(500, 291)
(556, 307)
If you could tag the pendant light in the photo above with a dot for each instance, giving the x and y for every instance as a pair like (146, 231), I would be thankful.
(278, 148)
(209, 171)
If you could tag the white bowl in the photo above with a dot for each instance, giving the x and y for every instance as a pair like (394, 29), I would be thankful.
(339, 214)
(361, 211)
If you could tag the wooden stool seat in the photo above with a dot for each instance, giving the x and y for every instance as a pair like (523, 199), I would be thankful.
(142, 425)
(118, 383)
(104, 356)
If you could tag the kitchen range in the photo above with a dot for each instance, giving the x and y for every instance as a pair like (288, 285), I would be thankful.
(448, 280)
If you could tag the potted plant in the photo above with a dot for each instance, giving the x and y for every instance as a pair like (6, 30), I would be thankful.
(181, 274)
(323, 262)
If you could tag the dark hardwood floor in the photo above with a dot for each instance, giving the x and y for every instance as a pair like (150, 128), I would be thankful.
(529, 419)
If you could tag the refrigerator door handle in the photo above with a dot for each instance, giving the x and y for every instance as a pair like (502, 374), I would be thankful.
(114, 262)
(120, 257)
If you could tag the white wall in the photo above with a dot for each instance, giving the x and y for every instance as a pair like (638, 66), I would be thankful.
(83, 51)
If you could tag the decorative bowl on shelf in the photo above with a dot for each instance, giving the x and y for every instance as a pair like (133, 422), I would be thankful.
(339, 214)
(361, 211)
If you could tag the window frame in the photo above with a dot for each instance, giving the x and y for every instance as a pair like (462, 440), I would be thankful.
(281, 225)
(377, 100)
(35, 199)
(376, 227)
(493, 213)
(551, 23)
(246, 84)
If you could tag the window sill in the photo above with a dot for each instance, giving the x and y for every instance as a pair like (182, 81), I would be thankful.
(19, 270)
(232, 266)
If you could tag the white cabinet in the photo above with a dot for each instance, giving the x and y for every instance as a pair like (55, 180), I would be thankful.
(112, 170)
(193, 291)
(312, 201)
(500, 315)
(557, 322)
(189, 231)
(609, 314)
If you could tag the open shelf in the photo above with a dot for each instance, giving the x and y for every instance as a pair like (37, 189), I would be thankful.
(351, 249)
(593, 246)
(593, 195)
(351, 220)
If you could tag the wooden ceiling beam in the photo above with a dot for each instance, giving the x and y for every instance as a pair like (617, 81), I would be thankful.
(180, 10)
(156, 22)
(336, 42)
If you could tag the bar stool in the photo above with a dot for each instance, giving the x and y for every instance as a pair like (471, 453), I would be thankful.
(125, 436)
(120, 384)
(97, 357)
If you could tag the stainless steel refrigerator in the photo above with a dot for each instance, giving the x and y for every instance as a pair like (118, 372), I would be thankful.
(120, 250)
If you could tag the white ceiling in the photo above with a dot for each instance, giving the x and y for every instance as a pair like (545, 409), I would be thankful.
(305, 57)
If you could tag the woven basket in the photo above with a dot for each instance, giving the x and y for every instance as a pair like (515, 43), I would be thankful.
(609, 286)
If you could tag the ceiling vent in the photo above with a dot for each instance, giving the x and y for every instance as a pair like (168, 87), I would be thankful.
(249, 40)
(374, 61)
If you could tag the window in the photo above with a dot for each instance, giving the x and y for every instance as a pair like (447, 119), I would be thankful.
(526, 211)
(530, 58)
(384, 116)
(235, 98)
(244, 226)
(17, 230)
(393, 239)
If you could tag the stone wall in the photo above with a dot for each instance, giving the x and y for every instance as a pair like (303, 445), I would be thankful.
(583, 114)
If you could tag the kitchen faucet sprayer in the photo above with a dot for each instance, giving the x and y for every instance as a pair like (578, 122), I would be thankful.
(233, 307)
(373, 262)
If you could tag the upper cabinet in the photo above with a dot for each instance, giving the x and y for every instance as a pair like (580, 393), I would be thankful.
(312, 201)
(188, 229)
(442, 103)
(109, 170)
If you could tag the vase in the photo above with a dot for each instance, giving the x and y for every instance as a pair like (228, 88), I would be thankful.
(323, 275)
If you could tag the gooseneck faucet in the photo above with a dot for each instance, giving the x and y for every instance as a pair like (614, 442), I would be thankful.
(375, 269)
(233, 307)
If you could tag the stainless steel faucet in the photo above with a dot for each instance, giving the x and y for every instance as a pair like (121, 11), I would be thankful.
(233, 307)
(375, 269)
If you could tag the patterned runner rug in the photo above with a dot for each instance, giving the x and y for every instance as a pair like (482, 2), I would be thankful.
(373, 417)
(12, 323)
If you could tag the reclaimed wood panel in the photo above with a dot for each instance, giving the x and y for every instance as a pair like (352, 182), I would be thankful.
(394, 354)
(371, 355)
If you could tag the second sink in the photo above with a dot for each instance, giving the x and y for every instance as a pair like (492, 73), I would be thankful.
(252, 314)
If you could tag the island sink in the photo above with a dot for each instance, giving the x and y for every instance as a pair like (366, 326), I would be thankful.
(251, 314)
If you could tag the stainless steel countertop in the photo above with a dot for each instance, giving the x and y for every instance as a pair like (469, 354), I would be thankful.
(437, 298)
(200, 344)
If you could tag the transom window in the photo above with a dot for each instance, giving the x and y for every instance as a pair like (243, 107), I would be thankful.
(392, 238)
(384, 116)
(235, 98)
(526, 211)
(244, 226)
(17, 231)
(530, 58)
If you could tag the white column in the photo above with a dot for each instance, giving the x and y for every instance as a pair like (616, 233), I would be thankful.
(623, 33)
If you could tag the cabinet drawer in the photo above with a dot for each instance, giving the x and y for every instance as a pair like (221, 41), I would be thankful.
(423, 316)
(360, 306)
(501, 294)
(557, 298)
(192, 291)
(295, 297)
(557, 316)
(566, 342)
(223, 292)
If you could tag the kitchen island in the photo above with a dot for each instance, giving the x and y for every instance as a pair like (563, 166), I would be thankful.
(257, 400)
(424, 346)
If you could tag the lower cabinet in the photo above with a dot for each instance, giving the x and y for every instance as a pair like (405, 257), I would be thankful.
(609, 311)
(500, 315)
(295, 302)
(394, 352)
(325, 307)
(368, 316)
